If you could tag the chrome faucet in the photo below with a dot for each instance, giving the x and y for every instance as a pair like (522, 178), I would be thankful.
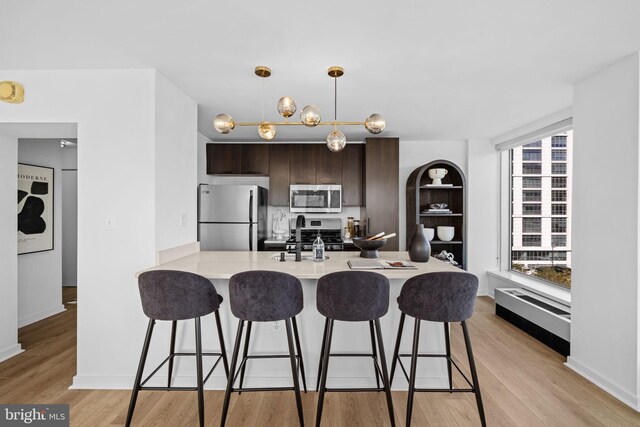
(300, 222)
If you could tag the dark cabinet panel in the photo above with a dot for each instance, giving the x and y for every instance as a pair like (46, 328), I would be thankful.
(353, 175)
(223, 159)
(279, 174)
(381, 171)
(328, 165)
(302, 164)
(254, 159)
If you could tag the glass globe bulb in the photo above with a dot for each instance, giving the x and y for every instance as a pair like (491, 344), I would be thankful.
(310, 116)
(375, 123)
(223, 123)
(267, 131)
(286, 106)
(336, 141)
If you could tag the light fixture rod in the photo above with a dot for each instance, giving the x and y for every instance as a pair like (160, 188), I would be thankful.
(300, 123)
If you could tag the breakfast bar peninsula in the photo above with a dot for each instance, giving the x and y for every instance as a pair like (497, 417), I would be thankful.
(219, 266)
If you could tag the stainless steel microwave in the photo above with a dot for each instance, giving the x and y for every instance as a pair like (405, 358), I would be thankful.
(315, 198)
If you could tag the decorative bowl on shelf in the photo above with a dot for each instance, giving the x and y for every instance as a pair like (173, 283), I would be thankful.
(368, 248)
(437, 174)
(429, 233)
(438, 206)
(446, 233)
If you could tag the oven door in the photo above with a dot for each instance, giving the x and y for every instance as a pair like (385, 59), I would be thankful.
(315, 198)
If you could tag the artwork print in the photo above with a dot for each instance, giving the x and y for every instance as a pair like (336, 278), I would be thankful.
(35, 209)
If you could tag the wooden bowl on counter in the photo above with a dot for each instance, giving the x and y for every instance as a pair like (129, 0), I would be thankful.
(368, 248)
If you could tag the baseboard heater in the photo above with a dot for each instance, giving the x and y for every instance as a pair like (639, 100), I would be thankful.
(546, 320)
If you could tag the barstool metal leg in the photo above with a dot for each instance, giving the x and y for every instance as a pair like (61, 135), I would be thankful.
(223, 348)
(412, 374)
(324, 340)
(325, 367)
(232, 370)
(199, 372)
(245, 351)
(294, 371)
(396, 351)
(448, 351)
(385, 376)
(474, 373)
(375, 355)
(296, 336)
(172, 350)
(136, 384)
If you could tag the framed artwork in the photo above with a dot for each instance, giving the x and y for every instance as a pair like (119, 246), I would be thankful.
(35, 209)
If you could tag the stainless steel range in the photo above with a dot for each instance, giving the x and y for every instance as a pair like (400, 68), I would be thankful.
(330, 230)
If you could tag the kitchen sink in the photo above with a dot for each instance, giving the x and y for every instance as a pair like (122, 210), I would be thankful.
(292, 257)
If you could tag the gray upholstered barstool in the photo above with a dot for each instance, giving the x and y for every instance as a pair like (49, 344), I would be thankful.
(438, 297)
(265, 296)
(353, 296)
(177, 295)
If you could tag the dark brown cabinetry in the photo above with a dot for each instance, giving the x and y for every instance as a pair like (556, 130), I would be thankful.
(353, 175)
(420, 194)
(279, 175)
(381, 172)
(328, 165)
(302, 164)
(232, 159)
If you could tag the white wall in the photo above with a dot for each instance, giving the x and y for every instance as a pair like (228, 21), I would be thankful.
(40, 273)
(8, 248)
(116, 115)
(176, 122)
(605, 297)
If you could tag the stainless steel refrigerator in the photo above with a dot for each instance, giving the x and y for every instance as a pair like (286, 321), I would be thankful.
(232, 217)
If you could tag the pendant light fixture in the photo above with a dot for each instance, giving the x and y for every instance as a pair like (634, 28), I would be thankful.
(12, 92)
(309, 116)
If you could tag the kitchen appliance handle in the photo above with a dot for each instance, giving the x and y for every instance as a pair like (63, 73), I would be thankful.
(251, 236)
(251, 206)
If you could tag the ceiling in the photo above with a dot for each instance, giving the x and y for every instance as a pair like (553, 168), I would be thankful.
(435, 69)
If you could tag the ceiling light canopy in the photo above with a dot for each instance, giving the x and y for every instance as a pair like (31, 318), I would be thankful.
(12, 92)
(309, 117)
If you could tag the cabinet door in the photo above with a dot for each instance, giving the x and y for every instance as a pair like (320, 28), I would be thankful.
(328, 165)
(279, 174)
(254, 159)
(381, 169)
(302, 164)
(352, 175)
(223, 159)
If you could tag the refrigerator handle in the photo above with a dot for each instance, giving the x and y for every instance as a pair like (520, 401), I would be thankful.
(251, 236)
(251, 206)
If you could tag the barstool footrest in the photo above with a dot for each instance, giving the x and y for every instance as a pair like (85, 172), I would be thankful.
(264, 356)
(250, 389)
(450, 359)
(445, 390)
(354, 390)
(218, 355)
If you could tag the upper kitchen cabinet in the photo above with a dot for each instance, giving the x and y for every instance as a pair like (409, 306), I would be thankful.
(328, 165)
(279, 174)
(234, 159)
(302, 164)
(353, 175)
(381, 172)
(223, 159)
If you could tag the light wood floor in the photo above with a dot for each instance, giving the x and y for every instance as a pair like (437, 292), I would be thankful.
(523, 383)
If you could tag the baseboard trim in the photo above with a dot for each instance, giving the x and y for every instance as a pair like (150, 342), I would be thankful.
(219, 382)
(10, 351)
(40, 315)
(608, 386)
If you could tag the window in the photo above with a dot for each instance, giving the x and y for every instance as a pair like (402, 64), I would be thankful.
(558, 240)
(558, 155)
(540, 197)
(531, 209)
(531, 225)
(531, 168)
(532, 155)
(531, 195)
(558, 225)
(559, 182)
(531, 182)
(558, 168)
(559, 141)
(558, 209)
(558, 195)
(531, 240)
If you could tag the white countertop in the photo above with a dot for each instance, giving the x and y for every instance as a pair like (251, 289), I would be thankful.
(223, 265)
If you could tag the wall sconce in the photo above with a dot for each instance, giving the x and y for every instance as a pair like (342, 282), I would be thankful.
(12, 92)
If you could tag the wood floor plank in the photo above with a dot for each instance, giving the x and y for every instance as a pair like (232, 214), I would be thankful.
(523, 382)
